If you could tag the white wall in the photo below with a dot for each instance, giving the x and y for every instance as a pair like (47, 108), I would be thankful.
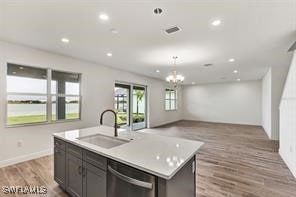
(272, 88)
(97, 95)
(266, 103)
(238, 103)
(279, 76)
(288, 119)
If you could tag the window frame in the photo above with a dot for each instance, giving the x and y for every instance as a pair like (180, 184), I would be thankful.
(170, 99)
(48, 95)
(63, 95)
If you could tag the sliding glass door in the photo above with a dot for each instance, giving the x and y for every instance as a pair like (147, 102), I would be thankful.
(130, 104)
(121, 104)
(139, 107)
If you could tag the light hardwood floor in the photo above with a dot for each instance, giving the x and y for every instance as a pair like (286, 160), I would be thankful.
(236, 160)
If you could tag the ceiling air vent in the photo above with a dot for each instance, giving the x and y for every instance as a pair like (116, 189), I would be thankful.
(207, 65)
(172, 30)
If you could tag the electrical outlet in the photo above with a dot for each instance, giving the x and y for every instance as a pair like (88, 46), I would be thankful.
(19, 144)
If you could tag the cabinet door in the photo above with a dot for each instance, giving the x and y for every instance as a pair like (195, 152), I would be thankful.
(60, 167)
(94, 181)
(74, 175)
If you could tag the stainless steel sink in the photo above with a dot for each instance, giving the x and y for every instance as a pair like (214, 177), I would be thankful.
(103, 141)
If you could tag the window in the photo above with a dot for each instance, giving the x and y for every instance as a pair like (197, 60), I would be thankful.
(170, 99)
(65, 95)
(26, 95)
(29, 100)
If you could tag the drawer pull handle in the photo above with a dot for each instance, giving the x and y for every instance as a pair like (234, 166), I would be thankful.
(80, 169)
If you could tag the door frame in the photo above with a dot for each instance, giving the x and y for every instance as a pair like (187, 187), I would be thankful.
(130, 99)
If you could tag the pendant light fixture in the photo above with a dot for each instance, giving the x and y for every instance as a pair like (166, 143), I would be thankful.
(174, 78)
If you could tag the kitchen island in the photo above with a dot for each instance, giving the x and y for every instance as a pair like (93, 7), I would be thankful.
(92, 162)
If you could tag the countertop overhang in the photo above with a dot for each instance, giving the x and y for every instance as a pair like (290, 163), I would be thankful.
(159, 155)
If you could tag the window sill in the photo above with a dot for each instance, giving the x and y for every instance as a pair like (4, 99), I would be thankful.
(41, 123)
(168, 110)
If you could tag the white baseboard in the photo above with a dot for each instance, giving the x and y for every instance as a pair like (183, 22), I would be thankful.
(288, 163)
(27, 157)
(223, 122)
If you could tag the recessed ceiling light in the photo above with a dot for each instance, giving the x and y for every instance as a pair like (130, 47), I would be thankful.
(157, 11)
(21, 68)
(231, 60)
(109, 54)
(14, 72)
(104, 17)
(158, 71)
(238, 79)
(216, 22)
(193, 83)
(235, 71)
(65, 40)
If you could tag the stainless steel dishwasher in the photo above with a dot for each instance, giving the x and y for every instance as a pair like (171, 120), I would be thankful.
(125, 181)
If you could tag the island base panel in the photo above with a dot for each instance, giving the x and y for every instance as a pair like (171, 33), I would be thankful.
(182, 184)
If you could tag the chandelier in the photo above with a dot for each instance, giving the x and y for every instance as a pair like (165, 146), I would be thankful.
(174, 78)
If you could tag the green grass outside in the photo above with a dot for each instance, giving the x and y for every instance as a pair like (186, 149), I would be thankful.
(15, 120)
(122, 117)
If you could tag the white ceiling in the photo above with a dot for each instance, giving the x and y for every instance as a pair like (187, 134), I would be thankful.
(257, 33)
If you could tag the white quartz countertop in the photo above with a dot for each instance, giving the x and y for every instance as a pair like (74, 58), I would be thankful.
(158, 155)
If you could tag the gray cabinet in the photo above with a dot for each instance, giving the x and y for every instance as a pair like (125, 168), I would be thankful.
(74, 175)
(82, 173)
(60, 167)
(94, 181)
(182, 184)
(60, 162)
(79, 172)
(95, 159)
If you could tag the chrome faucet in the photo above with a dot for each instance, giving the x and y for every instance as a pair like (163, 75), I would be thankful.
(115, 121)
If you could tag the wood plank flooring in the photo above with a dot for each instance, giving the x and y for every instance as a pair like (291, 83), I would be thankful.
(236, 160)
